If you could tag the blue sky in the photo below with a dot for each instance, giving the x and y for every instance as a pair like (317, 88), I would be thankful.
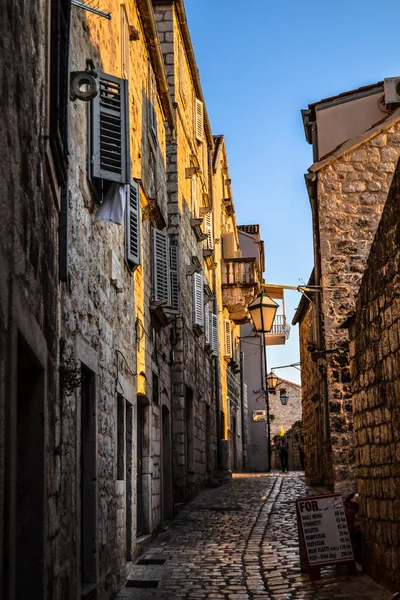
(260, 63)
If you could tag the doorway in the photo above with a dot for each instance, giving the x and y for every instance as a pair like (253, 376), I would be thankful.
(30, 475)
(141, 527)
(88, 486)
(167, 465)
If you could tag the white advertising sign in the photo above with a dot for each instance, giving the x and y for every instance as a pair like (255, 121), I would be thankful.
(324, 527)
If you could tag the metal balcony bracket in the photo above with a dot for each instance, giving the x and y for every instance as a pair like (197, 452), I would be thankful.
(91, 9)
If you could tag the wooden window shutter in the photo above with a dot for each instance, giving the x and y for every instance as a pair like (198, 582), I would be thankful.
(125, 44)
(174, 274)
(228, 241)
(110, 130)
(132, 224)
(198, 299)
(214, 333)
(207, 323)
(161, 282)
(208, 224)
(59, 84)
(199, 120)
(228, 338)
(194, 195)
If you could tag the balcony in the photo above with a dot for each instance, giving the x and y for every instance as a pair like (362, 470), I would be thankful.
(279, 333)
(241, 281)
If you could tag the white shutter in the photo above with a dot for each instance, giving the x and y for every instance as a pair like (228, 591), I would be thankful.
(198, 299)
(228, 241)
(199, 121)
(214, 333)
(174, 274)
(208, 224)
(161, 266)
(110, 158)
(132, 224)
(207, 323)
(228, 338)
(194, 195)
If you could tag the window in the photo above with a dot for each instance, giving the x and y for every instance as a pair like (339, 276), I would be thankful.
(207, 324)
(194, 195)
(198, 299)
(152, 104)
(228, 338)
(59, 84)
(166, 270)
(214, 334)
(109, 131)
(209, 230)
(198, 120)
(132, 224)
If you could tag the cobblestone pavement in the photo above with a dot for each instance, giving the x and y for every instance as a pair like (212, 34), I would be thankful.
(239, 542)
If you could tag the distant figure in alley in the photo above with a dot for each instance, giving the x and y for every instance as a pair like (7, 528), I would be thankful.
(284, 454)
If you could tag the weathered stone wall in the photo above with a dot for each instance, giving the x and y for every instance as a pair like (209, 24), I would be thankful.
(285, 416)
(29, 283)
(375, 368)
(108, 331)
(316, 468)
(352, 190)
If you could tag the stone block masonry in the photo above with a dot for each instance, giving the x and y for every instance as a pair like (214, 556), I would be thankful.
(351, 191)
(375, 368)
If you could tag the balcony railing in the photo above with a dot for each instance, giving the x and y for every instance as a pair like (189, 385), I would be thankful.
(280, 327)
(240, 271)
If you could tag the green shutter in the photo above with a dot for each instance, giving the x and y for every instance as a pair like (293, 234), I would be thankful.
(110, 130)
(132, 224)
(161, 283)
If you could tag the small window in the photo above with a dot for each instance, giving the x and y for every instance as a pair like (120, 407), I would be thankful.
(228, 338)
(132, 224)
(199, 120)
(194, 196)
(198, 300)
(166, 267)
(214, 333)
(209, 230)
(59, 85)
(155, 394)
(152, 104)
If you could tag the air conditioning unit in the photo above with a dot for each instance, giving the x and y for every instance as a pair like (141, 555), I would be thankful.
(391, 87)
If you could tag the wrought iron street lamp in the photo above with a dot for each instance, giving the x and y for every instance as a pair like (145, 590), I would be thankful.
(272, 381)
(262, 311)
(284, 398)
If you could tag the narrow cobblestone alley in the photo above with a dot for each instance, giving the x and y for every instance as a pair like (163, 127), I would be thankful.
(239, 542)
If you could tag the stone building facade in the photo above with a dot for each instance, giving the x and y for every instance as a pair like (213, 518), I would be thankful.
(233, 412)
(114, 335)
(120, 361)
(375, 368)
(32, 176)
(347, 190)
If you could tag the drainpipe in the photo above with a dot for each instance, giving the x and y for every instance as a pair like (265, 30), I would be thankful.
(244, 441)
(311, 182)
